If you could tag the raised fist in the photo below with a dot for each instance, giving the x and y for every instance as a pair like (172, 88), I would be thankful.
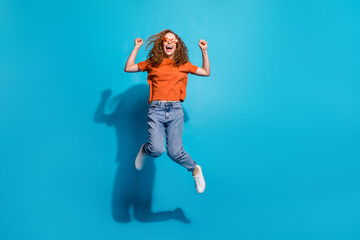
(203, 44)
(138, 42)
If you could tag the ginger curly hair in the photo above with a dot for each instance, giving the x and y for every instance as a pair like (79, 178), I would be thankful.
(156, 54)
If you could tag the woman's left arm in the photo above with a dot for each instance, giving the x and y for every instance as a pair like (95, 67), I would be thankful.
(205, 70)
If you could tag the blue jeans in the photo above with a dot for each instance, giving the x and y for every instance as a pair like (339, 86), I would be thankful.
(167, 118)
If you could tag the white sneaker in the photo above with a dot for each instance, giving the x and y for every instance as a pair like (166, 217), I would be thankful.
(140, 158)
(199, 181)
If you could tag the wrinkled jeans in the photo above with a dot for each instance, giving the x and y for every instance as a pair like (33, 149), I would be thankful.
(167, 119)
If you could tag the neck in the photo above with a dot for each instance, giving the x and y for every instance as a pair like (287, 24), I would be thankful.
(169, 57)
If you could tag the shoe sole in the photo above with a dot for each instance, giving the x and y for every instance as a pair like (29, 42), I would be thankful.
(200, 172)
(138, 156)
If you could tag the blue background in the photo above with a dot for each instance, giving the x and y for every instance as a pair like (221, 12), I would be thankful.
(276, 127)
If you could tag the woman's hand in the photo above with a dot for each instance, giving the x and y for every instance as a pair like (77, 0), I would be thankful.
(138, 42)
(130, 65)
(205, 70)
(203, 45)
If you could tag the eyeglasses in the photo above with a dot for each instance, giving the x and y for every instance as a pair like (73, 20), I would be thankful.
(168, 40)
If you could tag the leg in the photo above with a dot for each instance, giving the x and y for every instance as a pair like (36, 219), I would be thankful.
(174, 144)
(155, 146)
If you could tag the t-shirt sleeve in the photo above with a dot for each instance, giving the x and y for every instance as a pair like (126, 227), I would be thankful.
(143, 65)
(191, 68)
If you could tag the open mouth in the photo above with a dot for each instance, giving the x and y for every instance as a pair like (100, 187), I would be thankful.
(168, 48)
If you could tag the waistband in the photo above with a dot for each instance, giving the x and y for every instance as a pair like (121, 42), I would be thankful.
(164, 103)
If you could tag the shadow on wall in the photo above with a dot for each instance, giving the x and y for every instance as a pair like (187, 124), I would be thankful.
(132, 188)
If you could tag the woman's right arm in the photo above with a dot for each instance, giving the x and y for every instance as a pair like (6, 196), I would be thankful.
(130, 64)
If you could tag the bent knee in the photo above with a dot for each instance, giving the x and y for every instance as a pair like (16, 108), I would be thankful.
(156, 151)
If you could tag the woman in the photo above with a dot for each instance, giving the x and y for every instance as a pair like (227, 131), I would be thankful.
(167, 65)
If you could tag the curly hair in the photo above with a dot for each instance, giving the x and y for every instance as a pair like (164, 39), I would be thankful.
(156, 54)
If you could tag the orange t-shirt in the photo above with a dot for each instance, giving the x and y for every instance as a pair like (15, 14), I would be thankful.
(167, 82)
